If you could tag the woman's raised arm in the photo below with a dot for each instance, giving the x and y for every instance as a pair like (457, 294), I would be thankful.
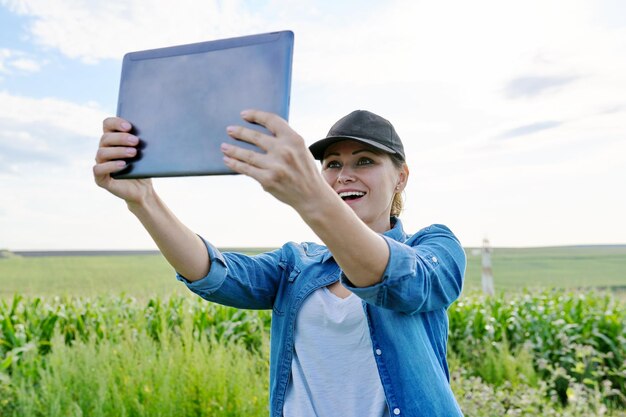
(182, 248)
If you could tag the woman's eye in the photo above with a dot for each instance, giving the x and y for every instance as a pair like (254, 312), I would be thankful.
(364, 161)
(333, 164)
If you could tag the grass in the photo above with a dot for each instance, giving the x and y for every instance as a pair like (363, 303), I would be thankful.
(571, 340)
(137, 376)
(108, 367)
(143, 276)
(557, 267)
(140, 275)
(552, 354)
(146, 276)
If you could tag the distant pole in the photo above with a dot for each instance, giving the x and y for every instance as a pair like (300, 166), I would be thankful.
(487, 275)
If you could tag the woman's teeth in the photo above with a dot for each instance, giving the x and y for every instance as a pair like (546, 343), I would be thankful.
(351, 195)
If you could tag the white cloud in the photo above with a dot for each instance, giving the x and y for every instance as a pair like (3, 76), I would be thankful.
(71, 117)
(91, 31)
(12, 60)
(438, 70)
(431, 59)
(26, 65)
(39, 135)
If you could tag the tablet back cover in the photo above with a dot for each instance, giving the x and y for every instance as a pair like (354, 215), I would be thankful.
(181, 99)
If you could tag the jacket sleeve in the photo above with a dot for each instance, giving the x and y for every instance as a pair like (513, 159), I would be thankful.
(424, 273)
(239, 280)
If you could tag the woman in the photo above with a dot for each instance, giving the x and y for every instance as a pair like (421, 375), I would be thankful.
(359, 326)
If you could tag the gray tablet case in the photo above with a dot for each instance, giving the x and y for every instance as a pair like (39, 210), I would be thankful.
(181, 99)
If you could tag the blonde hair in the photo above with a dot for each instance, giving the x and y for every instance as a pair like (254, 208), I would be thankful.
(397, 203)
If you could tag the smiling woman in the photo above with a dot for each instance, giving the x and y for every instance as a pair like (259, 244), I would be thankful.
(364, 144)
(359, 326)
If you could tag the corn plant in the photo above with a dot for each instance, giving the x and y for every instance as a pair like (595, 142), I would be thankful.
(565, 345)
(572, 337)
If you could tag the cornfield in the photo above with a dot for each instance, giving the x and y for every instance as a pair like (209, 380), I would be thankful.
(562, 346)
(574, 341)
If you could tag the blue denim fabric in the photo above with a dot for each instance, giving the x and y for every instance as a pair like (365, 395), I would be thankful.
(406, 311)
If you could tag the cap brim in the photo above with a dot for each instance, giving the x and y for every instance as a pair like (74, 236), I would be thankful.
(319, 147)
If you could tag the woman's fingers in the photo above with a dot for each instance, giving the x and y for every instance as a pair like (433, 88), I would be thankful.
(287, 167)
(105, 154)
(115, 144)
(270, 121)
(246, 156)
(268, 178)
(118, 139)
(282, 147)
(107, 168)
(244, 168)
(277, 126)
(116, 124)
(252, 136)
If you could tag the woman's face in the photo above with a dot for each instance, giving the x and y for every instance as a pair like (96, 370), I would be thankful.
(366, 179)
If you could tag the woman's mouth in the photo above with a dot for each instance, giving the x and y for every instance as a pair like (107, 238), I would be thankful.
(351, 195)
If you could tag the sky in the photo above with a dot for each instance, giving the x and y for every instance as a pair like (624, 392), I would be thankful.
(513, 114)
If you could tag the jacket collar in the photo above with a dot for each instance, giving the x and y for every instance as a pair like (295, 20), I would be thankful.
(396, 233)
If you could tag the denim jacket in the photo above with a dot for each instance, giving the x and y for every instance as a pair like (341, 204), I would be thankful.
(406, 312)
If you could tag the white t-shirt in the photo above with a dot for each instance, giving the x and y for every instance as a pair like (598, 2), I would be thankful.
(333, 372)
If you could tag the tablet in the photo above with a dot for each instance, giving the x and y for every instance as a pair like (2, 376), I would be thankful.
(180, 100)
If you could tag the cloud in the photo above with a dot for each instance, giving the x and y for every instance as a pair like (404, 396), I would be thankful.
(450, 82)
(75, 118)
(91, 31)
(32, 145)
(529, 129)
(611, 109)
(12, 60)
(15, 161)
(26, 65)
(532, 86)
(46, 131)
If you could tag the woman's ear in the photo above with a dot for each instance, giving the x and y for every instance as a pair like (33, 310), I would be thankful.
(403, 177)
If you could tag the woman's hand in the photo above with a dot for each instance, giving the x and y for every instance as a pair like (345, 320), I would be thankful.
(182, 248)
(287, 170)
(116, 144)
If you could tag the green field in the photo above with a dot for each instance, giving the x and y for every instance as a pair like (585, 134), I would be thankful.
(557, 267)
(145, 276)
(119, 335)
(137, 275)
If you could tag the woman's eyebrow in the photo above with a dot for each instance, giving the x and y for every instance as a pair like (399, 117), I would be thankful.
(375, 152)
(366, 150)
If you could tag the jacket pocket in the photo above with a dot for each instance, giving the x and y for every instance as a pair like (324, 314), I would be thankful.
(285, 288)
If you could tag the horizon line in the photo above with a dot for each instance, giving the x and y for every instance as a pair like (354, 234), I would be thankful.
(111, 252)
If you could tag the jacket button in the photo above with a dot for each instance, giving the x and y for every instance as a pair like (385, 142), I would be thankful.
(379, 352)
(434, 258)
(396, 411)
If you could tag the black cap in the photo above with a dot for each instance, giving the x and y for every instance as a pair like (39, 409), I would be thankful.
(362, 126)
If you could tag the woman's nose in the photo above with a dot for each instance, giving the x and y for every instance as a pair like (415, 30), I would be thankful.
(345, 175)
